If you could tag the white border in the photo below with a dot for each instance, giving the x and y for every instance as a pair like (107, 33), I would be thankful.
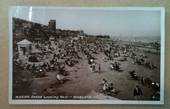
(162, 67)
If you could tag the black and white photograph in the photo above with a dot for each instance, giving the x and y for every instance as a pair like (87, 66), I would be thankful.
(86, 55)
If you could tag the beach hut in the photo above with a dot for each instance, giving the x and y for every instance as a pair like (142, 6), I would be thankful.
(24, 47)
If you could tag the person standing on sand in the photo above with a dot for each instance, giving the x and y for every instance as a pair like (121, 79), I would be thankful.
(93, 67)
(99, 69)
(137, 92)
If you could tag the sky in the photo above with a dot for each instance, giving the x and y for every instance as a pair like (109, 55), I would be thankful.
(123, 23)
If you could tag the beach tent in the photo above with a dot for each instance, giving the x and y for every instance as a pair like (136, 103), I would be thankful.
(24, 47)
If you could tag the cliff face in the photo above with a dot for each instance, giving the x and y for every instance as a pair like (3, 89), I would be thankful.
(34, 31)
(30, 30)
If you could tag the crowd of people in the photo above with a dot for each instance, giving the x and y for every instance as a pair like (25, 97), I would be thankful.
(59, 54)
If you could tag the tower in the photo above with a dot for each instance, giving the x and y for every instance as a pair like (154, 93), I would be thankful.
(52, 25)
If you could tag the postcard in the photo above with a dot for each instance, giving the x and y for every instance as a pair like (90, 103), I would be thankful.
(86, 55)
